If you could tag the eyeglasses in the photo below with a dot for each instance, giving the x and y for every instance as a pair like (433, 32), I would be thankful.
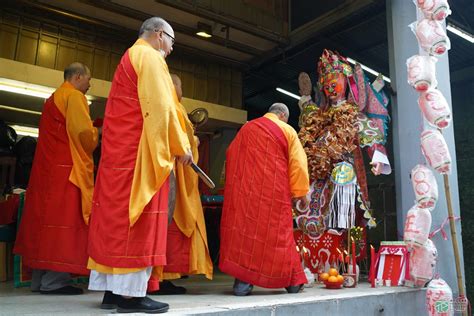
(171, 37)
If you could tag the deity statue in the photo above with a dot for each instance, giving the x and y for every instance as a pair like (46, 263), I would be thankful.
(333, 134)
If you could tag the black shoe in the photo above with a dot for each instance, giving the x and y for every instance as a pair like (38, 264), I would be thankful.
(242, 288)
(292, 289)
(168, 288)
(141, 305)
(110, 300)
(65, 290)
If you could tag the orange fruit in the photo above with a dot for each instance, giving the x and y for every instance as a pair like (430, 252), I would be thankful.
(332, 279)
(323, 276)
(340, 278)
(333, 272)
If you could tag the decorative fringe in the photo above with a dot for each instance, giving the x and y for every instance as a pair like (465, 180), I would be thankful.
(342, 206)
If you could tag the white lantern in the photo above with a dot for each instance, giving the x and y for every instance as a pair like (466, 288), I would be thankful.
(423, 263)
(425, 187)
(435, 108)
(434, 9)
(431, 37)
(435, 150)
(439, 297)
(417, 227)
(422, 72)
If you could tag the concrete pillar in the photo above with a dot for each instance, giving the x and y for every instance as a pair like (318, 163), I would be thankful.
(407, 124)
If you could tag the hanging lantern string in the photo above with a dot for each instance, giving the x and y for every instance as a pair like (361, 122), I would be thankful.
(441, 227)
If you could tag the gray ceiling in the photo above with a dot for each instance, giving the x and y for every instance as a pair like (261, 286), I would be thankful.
(362, 36)
(356, 28)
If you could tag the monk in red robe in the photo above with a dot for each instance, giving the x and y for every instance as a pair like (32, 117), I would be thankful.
(141, 138)
(52, 236)
(266, 168)
(187, 252)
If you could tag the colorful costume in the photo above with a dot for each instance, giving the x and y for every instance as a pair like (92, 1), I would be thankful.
(333, 135)
(53, 230)
(265, 167)
(141, 137)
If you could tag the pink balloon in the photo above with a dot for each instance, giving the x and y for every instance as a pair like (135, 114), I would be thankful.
(417, 227)
(423, 263)
(435, 150)
(425, 187)
(435, 108)
(422, 72)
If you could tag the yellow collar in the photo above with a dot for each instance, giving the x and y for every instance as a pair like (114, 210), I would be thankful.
(143, 42)
(271, 115)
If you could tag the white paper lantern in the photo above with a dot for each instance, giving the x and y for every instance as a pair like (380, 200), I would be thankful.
(423, 263)
(417, 227)
(425, 187)
(439, 298)
(435, 150)
(435, 108)
(434, 9)
(431, 36)
(422, 72)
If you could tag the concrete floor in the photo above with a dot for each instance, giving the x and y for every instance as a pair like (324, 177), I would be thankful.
(215, 297)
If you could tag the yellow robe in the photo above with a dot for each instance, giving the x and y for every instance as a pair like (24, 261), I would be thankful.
(157, 98)
(188, 214)
(298, 163)
(83, 138)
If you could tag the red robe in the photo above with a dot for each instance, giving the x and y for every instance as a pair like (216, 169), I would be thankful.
(113, 241)
(178, 248)
(257, 244)
(49, 237)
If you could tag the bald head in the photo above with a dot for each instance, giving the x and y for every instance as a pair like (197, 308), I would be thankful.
(150, 25)
(75, 69)
(78, 75)
(177, 86)
(281, 110)
(159, 34)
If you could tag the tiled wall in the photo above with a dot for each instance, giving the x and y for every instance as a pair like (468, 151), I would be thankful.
(43, 42)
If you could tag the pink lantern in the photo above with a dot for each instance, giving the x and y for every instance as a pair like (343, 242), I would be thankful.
(434, 9)
(431, 36)
(439, 297)
(422, 72)
(425, 187)
(423, 263)
(417, 227)
(435, 150)
(435, 108)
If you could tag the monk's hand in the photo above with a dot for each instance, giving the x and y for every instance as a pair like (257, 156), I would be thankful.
(376, 168)
(186, 159)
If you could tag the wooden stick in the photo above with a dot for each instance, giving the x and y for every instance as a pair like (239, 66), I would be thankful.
(453, 237)
(452, 225)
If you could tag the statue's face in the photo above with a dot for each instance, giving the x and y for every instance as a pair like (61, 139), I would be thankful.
(335, 87)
